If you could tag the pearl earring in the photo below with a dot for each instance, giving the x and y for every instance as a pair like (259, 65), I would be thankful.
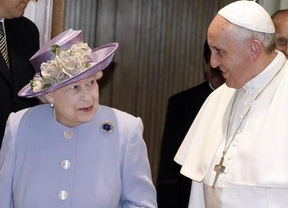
(52, 105)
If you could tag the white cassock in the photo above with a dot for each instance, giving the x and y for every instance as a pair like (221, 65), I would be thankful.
(256, 163)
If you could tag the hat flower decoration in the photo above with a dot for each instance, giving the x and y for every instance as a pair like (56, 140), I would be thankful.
(67, 63)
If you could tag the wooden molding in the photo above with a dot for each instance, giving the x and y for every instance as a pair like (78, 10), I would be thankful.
(58, 17)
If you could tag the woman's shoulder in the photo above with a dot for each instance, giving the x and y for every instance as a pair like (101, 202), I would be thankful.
(38, 111)
(25, 119)
(119, 117)
(113, 112)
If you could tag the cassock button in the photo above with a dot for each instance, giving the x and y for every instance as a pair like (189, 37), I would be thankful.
(68, 134)
(230, 157)
(63, 195)
(65, 164)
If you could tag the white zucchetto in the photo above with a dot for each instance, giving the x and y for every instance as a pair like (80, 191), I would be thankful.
(248, 14)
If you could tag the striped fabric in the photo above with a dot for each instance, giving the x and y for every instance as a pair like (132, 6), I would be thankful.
(3, 48)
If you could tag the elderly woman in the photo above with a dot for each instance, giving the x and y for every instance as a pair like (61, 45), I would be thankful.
(73, 153)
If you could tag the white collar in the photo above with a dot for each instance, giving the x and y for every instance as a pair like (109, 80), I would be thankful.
(264, 77)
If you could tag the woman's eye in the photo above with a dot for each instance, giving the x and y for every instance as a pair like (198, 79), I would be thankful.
(74, 87)
(92, 82)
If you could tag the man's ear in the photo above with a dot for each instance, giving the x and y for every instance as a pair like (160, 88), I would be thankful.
(255, 49)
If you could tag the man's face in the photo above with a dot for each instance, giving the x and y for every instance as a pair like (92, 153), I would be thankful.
(228, 54)
(12, 8)
(281, 27)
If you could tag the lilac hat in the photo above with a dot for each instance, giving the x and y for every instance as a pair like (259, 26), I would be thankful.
(65, 59)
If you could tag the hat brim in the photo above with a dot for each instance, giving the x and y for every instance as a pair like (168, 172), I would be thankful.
(101, 58)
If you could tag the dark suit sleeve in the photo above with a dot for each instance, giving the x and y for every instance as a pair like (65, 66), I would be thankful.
(173, 189)
(22, 41)
(171, 185)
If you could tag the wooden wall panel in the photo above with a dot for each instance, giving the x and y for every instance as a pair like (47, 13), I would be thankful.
(58, 17)
(82, 15)
(160, 53)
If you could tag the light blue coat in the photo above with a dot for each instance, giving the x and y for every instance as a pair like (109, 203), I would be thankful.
(44, 164)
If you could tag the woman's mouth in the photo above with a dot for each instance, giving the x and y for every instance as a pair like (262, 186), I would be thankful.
(87, 109)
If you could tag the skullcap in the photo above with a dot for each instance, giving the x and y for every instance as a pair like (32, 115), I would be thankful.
(248, 14)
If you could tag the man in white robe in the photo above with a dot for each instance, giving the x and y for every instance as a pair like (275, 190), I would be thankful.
(244, 123)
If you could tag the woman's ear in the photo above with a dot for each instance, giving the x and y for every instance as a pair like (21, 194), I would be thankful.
(49, 97)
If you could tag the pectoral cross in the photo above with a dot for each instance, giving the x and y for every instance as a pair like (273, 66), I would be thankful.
(218, 169)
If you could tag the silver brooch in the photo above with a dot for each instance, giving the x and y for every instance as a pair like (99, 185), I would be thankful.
(107, 126)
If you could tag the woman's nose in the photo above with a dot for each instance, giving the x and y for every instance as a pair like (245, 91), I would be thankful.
(86, 96)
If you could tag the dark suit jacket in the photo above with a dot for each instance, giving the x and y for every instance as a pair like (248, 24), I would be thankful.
(22, 38)
(173, 189)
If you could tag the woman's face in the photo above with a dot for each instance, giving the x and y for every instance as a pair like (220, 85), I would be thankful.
(76, 103)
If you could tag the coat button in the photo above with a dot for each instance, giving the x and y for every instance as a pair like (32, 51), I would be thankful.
(68, 134)
(65, 164)
(63, 195)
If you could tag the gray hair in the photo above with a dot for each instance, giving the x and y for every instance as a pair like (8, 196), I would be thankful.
(243, 35)
(43, 98)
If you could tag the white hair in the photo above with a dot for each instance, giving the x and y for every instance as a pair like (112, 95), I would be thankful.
(243, 35)
(45, 100)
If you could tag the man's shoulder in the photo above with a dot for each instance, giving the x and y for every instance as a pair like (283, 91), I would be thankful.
(21, 23)
(22, 20)
(19, 29)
